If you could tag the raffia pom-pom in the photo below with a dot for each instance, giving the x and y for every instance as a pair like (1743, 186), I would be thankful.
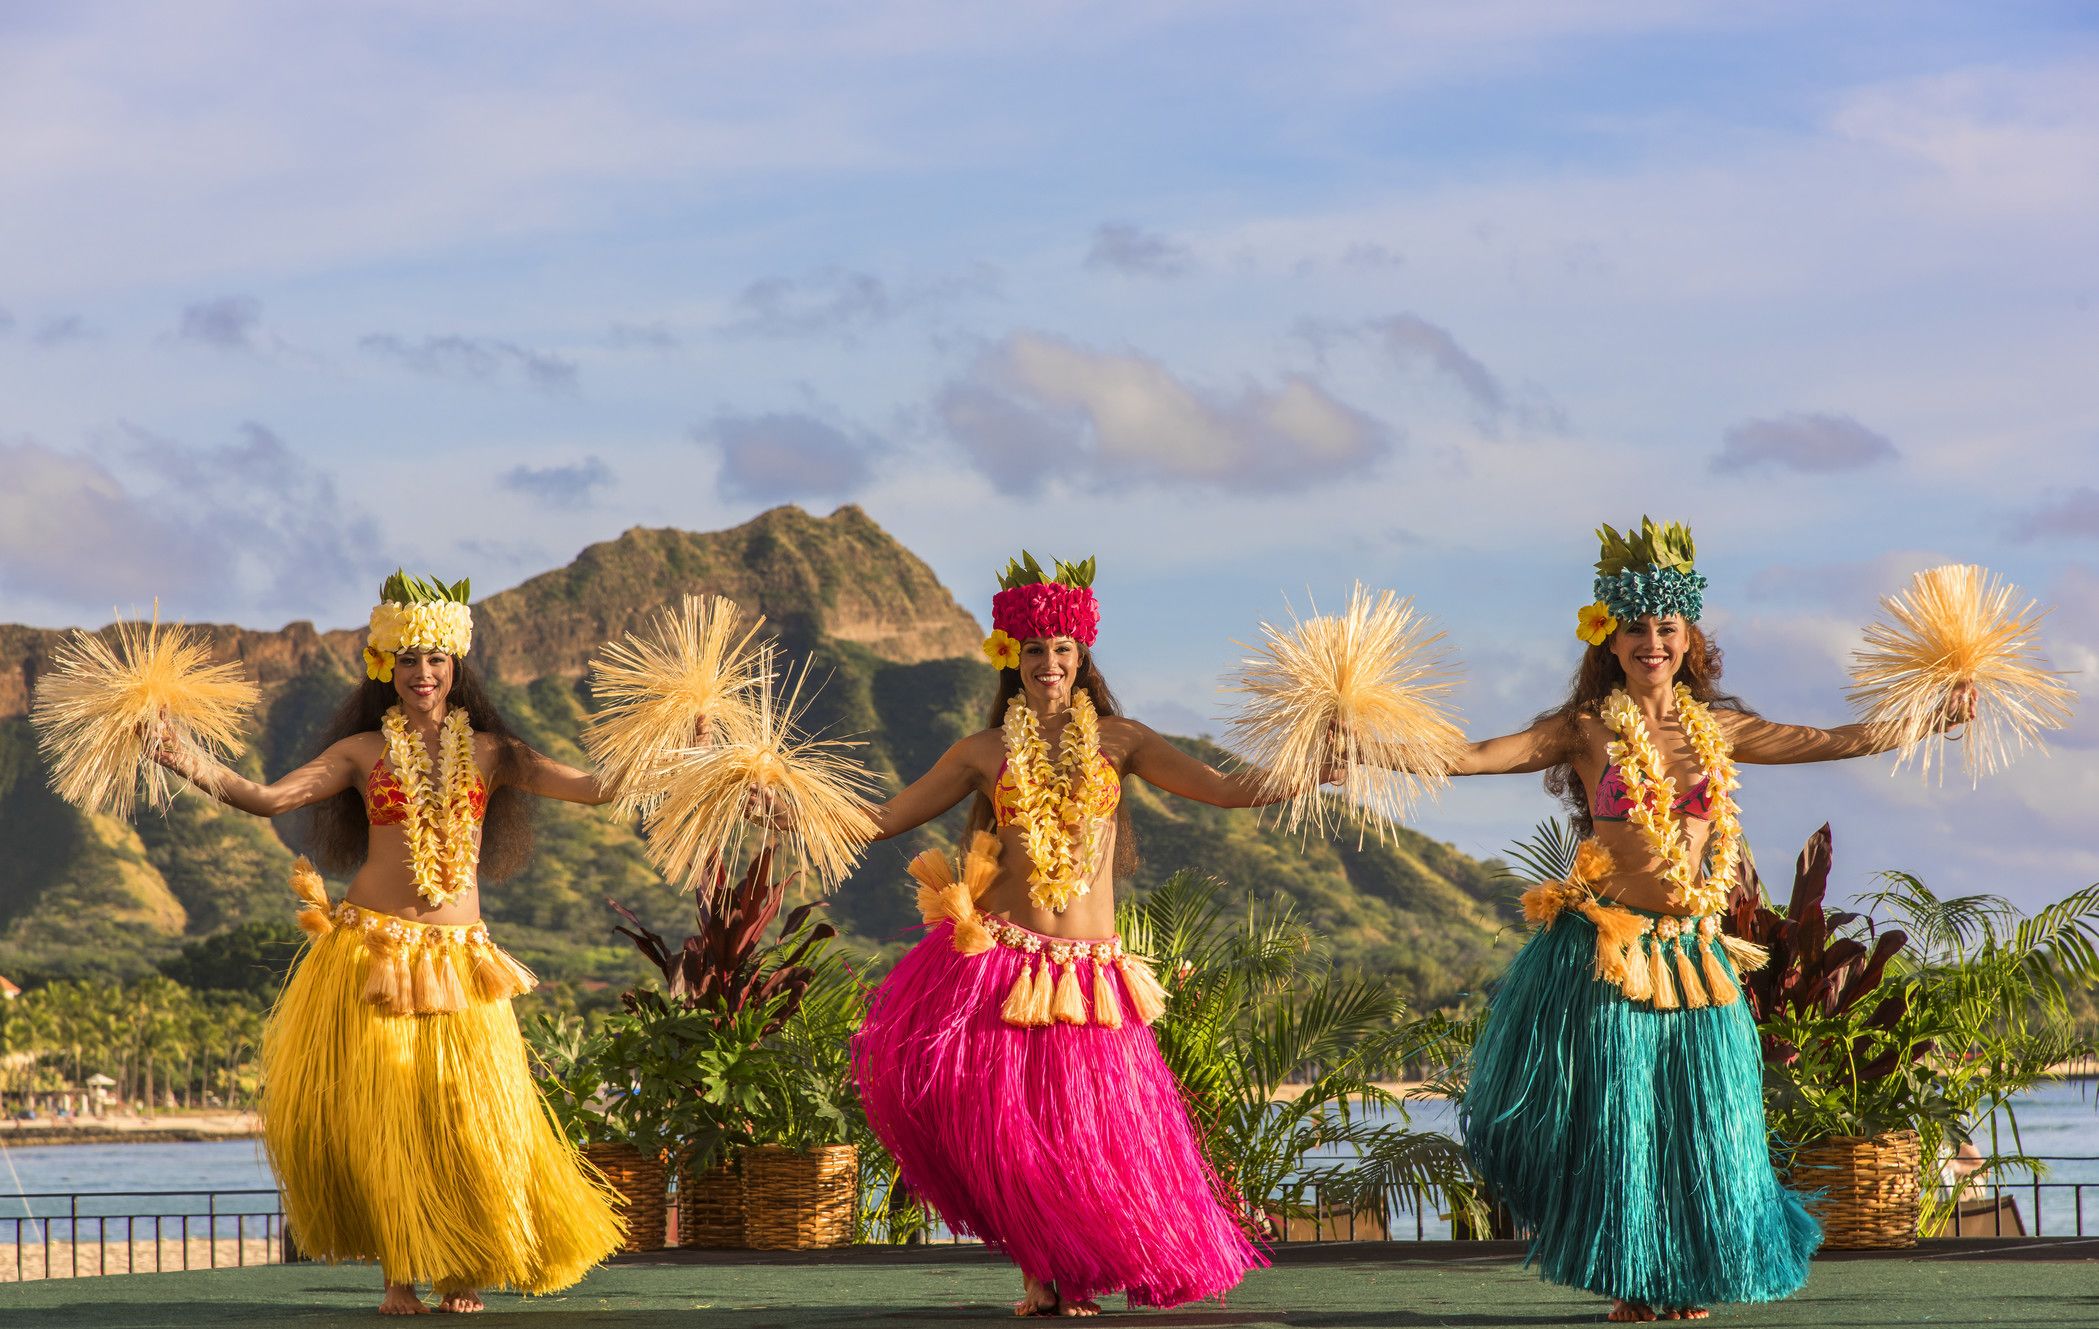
(451, 993)
(1695, 998)
(315, 919)
(1068, 1006)
(1107, 1007)
(1592, 863)
(1658, 971)
(658, 689)
(1147, 998)
(1547, 900)
(705, 803)
(1957, 625)
(379, 978)
(403, 990)
(1747, 956)
(100, 707)
(489, 981)
(1365, 692)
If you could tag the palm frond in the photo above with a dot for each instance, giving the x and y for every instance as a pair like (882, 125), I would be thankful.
(1548, 855)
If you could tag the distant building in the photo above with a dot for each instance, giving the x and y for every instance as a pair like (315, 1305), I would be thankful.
(8, 990)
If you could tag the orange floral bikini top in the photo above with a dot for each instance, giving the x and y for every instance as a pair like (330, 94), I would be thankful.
(386, 802)
(1103, 793)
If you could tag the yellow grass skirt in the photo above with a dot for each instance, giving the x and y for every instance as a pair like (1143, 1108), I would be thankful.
(402, 1118)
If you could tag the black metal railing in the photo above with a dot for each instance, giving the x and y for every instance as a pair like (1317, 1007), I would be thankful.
(62, 1234)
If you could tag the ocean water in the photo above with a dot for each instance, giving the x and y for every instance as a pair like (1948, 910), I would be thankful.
(2059, 1119)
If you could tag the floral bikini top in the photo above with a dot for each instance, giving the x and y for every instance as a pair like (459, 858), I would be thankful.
(1613, 803)
(386, 802)
(1103, 793)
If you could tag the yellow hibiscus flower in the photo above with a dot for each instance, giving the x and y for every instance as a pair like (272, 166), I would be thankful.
(1003, 651)
(379, 665)
(1597, 623)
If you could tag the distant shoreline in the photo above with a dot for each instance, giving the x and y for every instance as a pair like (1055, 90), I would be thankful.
(162, 1129)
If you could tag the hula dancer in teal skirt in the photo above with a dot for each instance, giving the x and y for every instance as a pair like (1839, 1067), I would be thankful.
(1616, 1097)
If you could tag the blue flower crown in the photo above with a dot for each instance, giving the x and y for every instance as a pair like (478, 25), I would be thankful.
(1647, 571)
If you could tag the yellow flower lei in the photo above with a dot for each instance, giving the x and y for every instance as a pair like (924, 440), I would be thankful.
(1054, 801)
(442, 851)
(1640, 764)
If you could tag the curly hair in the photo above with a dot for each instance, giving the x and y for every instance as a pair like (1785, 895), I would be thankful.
(1595, 678)
(339, 833)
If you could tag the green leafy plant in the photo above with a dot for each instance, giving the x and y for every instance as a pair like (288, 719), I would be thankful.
(1993, 987)
(1281, 1059)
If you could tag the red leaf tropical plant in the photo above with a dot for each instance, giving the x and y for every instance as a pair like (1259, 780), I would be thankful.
(727, 967)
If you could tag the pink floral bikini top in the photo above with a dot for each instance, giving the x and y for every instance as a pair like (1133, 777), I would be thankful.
(1614, 803)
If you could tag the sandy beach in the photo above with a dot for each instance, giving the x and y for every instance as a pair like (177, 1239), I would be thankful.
(159, 1127)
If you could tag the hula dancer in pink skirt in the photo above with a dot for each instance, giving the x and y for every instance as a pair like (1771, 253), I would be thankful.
(1007, 1062)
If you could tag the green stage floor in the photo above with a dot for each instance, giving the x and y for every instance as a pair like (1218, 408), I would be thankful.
(2010, 1282)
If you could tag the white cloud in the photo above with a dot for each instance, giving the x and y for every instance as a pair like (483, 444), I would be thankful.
(1036, 409)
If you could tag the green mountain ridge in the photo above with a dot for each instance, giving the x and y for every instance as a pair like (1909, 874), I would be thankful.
(895, 656)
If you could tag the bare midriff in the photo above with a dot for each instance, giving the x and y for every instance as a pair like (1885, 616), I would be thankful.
(1637, 878)
(386, 884)
(1089, 918)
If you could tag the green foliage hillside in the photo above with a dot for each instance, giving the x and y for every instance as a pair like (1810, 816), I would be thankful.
(891, 656)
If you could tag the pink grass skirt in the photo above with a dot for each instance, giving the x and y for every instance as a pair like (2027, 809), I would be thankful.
(1068, 1147)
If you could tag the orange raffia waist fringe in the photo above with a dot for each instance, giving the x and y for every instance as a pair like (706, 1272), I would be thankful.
(414, 968)
(1648, 957)
(1046, 991)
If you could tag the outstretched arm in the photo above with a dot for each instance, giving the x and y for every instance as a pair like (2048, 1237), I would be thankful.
(953, 778)
(1159, 763)
(542, 775)
(1761, 742)
(324, 777)
(1543, 744)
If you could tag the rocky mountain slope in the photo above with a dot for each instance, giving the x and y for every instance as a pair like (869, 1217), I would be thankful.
(896, 655)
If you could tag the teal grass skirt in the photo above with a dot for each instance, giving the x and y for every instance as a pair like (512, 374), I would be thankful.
(1630, 1141)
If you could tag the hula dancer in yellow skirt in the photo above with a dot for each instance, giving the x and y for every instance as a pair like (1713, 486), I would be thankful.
(398, 1108)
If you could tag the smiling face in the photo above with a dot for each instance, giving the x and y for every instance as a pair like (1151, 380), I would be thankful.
(422, 680)
(1650, 650)
(1048, 668)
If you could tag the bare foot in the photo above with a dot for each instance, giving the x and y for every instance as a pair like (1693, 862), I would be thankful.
(401, 1300)
(1629, 1312)
(1037, 1298)
(1079, 1309)
(461, 1303)
(1686, 1313)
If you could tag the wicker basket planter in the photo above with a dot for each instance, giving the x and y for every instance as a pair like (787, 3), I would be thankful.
(800, 1201)
(1872, 1201)
(710, 1206)
(643, 1185)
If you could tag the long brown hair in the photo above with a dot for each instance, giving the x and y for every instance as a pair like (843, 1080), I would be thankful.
(982, 817)
(339, 833)
(1595, 678)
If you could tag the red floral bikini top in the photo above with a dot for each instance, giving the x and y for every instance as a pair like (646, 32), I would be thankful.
(386, 802)
(1614, 803)
(1103, 793)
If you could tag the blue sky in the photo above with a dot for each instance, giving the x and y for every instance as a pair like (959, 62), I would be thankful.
(1249, 300)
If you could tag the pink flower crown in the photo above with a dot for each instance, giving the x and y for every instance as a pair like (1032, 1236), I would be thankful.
(1034, 603)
